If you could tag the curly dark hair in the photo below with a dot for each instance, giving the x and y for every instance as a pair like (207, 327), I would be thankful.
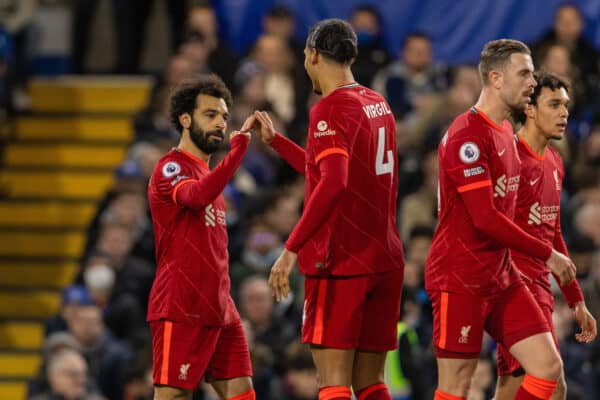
(544, 79)
(335, 39)
(183, 99)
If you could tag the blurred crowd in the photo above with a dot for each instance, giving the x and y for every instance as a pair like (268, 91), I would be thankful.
(99, 343)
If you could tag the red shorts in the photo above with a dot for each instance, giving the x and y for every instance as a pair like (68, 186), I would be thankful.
(353, 312)
(184, 353)
(507, 364)
(459, 320)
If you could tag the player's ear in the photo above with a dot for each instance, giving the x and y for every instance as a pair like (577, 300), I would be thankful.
(313, 56)
(185, 120)
(495, 79)
(530, 111)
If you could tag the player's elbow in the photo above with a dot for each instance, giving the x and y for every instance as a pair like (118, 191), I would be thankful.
(484, 219)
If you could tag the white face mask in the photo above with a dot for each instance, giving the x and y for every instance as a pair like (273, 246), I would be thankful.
(99, 278)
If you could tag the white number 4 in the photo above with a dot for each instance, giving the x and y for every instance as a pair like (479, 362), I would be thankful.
(380, 166)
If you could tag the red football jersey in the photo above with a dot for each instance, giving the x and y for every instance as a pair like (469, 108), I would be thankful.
(192, 277)
(360, 236)
(475, 152)
(538, 213)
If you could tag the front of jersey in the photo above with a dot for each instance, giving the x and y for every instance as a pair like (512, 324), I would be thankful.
(360, 236)
(538, 207)
(475, 152)
(192, 277)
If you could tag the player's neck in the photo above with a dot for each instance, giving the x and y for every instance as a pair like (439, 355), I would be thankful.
(335, 77)
(492, 106)
(188, 146)
(534, 138)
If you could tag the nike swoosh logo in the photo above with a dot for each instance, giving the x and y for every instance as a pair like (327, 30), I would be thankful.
(533, 181)
(501, 152)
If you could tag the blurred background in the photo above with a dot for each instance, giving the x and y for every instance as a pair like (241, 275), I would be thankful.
(84, 89)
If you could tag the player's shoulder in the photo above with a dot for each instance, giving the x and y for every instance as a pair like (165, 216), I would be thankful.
(171, 164)
(467, 125)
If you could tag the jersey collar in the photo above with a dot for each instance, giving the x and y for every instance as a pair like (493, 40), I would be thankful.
(192, 157)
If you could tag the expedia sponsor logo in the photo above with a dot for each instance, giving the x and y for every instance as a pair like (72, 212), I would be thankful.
(538, 214)
(323, 130)
(505, 185)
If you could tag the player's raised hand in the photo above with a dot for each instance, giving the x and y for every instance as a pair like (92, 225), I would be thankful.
(279, 278)
(249, 124)
(561, 266)
(264, 126)
(239, 133)
(586, 322)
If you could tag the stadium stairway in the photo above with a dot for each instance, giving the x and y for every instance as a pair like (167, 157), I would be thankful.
(57, 165)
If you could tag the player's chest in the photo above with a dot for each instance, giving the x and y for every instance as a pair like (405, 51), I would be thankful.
(541, 182)
(505, 166)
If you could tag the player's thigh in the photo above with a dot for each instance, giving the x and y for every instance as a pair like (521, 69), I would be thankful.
(381, 312)
(458, 323)
(507, 387)
(171, 393)
(368, 369)
(334, 366)
(181, 353)
(228, 388)
(518, 322)
(507, 365)
(231, 357)
(538, 356)
(515, 315)
(334, 311)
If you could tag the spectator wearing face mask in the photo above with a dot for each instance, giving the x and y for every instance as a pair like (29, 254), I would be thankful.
(372, 55)
(122, 313)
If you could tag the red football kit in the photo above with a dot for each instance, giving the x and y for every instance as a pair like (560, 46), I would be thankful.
(538, 213)
(469, 273)
(347, 239)
(190, 305)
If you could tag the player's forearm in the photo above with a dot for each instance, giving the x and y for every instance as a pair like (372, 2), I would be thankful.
(493, 223)
(559, 243)
(291, 152)
(334, 180)
(204, 191)
(572, 291)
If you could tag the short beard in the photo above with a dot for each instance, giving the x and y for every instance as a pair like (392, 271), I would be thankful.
(202, 139)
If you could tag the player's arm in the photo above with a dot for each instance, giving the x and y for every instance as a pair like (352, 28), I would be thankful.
(198, 193)
(574, 295)
(572, 291)
(287, 149)
(479, 202)
(465, 160)
(334, 180)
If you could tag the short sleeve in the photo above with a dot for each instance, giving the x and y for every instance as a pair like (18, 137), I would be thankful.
(327, 133)
(169, 176)
(465, 159)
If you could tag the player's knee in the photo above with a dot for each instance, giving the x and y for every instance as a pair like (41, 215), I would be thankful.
(560, 393)
(554, 368)
(460, 383)
(171, 393)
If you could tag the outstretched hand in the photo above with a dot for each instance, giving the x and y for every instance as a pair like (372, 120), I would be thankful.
(264, 125)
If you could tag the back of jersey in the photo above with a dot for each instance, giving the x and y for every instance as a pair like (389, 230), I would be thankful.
(361, 237)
